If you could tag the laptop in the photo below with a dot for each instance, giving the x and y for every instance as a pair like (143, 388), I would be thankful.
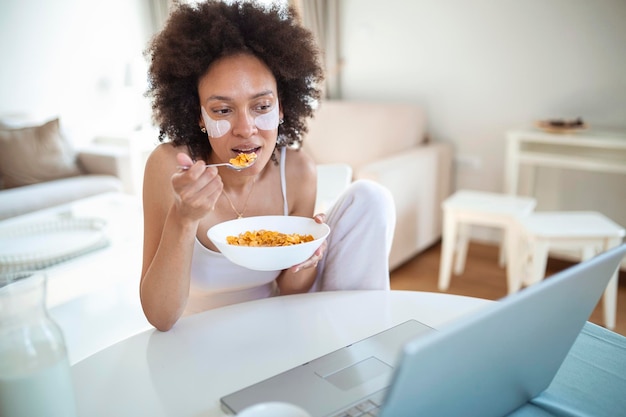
(488, 363)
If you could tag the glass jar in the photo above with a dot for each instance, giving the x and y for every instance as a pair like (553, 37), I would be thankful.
(35, 376)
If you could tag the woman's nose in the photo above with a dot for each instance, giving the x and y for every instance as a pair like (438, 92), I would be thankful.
(244, 125)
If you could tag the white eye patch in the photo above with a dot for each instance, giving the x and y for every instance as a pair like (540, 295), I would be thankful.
(268, 121)
(218, 128)
(215, 128)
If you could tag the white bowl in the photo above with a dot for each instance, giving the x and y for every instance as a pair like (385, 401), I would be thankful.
(269, 258)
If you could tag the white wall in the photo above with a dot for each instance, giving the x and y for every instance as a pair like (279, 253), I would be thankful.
(73, 58)
(480, 67)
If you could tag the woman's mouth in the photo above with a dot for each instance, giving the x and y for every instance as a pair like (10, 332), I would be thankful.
(246, 150)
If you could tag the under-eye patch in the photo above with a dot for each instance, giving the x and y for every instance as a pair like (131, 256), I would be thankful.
(269, 120)
(215, 128)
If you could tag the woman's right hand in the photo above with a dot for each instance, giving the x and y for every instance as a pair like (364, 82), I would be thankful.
(196, 188)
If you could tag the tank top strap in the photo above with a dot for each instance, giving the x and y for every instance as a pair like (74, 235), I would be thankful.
(283, 180)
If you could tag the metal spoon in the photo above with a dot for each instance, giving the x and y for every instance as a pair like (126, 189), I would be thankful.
(223, 164)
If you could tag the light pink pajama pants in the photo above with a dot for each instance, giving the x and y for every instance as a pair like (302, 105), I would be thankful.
(362, 223)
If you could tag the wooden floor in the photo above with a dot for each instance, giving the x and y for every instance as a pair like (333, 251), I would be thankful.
(483, 278)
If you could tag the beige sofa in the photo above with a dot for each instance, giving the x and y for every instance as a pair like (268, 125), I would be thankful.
(388, 143)
(39, 168)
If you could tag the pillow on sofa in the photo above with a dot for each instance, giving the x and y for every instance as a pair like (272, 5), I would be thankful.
(34, 154)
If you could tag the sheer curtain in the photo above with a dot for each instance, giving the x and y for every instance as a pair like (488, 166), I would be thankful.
(322, 18)
(159, 10)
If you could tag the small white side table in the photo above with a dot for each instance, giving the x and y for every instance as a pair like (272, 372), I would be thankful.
(467, 207)
(587, 232)
(588, 151)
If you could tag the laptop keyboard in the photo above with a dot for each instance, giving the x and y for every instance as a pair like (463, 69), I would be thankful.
(369, 407)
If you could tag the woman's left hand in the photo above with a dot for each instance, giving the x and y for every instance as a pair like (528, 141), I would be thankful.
(318, 254)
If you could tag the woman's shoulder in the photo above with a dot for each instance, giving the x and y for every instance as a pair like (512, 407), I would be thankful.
(164, 155)
(161, 163)
(300, 163)
(167, 150)
(299, 157)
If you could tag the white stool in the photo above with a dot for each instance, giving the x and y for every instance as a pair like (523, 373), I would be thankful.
(465, 208)
(586, 232)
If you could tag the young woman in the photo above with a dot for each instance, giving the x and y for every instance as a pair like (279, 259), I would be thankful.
(227, 79)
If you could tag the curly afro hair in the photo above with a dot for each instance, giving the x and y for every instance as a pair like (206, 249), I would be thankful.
(196, 35)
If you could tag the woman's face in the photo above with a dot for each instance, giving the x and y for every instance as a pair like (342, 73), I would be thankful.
(240, 109)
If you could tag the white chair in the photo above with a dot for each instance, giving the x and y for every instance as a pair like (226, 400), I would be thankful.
(332, 180)
(587, 233)
(465, 208)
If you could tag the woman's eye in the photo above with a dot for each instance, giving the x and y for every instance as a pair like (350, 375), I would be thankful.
(221, 112)
(263, 108)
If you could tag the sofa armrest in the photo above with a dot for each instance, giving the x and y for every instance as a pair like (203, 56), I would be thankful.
(103, 160)
(110, 160)
(419, 180)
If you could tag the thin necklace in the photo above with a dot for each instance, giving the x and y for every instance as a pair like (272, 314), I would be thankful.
(243, 210)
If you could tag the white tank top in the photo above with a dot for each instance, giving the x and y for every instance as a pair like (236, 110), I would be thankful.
(216, 282)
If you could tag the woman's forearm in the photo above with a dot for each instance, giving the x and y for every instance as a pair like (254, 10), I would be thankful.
(290, 282)
(165, 283)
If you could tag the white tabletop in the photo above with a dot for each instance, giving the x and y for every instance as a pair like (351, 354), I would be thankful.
(185, 371)
(488, 203)
(598, 138)
(571, 224)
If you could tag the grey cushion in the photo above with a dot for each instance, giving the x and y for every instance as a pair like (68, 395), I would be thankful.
(29, 155)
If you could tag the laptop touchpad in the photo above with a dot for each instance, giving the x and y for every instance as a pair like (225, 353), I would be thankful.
(359, 373)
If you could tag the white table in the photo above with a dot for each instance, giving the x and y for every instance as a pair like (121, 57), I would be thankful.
(588, 150)
(95, 297)
(185, 371)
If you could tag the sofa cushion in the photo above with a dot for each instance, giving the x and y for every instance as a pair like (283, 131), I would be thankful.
(29, 198)
(34, 154)
(359, 132)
